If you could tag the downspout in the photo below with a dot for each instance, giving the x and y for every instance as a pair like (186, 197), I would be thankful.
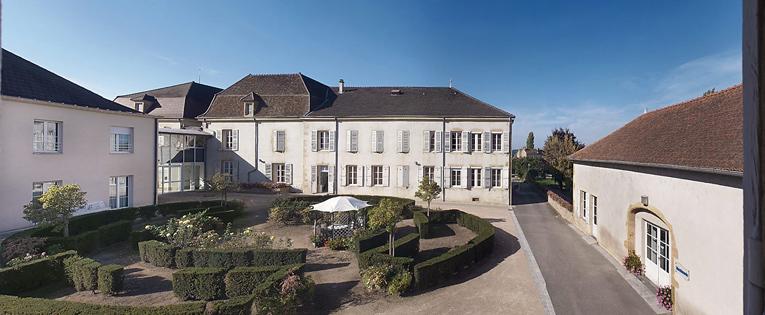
(335, 180)
(510, 164)
(156, 151)
(443, 157)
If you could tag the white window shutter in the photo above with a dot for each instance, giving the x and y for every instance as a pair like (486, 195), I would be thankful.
(275, 141)
(400, 141)
(288, 173)
(349, 141)
(281, 141)
(343, 176)
(268, 171)
(331, 178)
(447, 141)
(332, 137)
(487, 142)
(374, 141)
(313, 178)
(405, 176)
(419, 174)
(236, 139)
(465, 141)
(218, 136)
(505, 142)
(399, 176)
(486, 177)
(447, 177)
(314, 140)
(464, 177)
(439, 140)
(368, 176)
(505, 177)
(426, 141)
(386, 175)
(355, 140)
(405, 141)
(380, 141)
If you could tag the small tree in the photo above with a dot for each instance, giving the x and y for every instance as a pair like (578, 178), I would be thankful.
(57, 205)
(221, 183)
(558, 146)
(530, 141)
(386, 215)
(428, 191)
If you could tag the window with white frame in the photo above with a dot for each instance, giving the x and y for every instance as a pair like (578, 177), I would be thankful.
(456, 177)
(227, 168)
(139, 106)
(119, 192)
(496, 142)
(229, 139)
(432, 141)
(351, 175)
(429, 172)
(456, 139)
(474, 177)
(279, 173)
(121, 140)
(496, 177)
(323, 136)
(47, 136)
(39, 188)
(249, 109)
(476, 143)
(583, 203)
(377, 175)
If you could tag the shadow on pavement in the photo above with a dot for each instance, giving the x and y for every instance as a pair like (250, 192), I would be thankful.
(317, 267)
(329, 296)
(528, 194)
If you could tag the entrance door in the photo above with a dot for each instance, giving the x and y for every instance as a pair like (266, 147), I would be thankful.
(594, 216)
(323, 179)
(656, 259)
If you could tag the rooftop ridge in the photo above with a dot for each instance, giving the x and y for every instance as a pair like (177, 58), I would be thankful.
(699, 98)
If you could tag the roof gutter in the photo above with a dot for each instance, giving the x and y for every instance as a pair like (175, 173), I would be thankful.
(666, 166)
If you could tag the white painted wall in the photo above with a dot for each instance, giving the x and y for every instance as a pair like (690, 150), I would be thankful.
(299, 153)
(704, 216)
(86, 159)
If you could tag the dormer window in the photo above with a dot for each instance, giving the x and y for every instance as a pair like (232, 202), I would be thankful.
(249, 109)
(139, 106)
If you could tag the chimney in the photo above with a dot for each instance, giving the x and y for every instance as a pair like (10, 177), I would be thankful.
(340, 86)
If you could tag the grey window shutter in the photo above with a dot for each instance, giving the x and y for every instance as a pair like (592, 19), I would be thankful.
(466, 141)
(447, 177)
(332, 137)
(505, 177)
(374, 141)
(505, 142)
(368, 176)
(405, 176)
(439, 140)
(399, 176)
(275, 141)
(281, 139)
(314, 141)
(400, 141)
(487, 142)
(313, 178)
(268, 171)
(236, 139)
(463, 177)
(349, 141)
(405, 141)
(487, 177)
(386, 175)
(380, 141)
(331, 178)
(343, 176)
(426, 141)
(437, 176)
(447, 141)
(355, 140)
(288, 173)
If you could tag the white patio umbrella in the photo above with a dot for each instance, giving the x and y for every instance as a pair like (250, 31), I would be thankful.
(339, 204)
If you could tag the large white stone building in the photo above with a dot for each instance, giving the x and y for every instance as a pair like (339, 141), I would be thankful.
(359, 140)
(53, 131)
(668, 186)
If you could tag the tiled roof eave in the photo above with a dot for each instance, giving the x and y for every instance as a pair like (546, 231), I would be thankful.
(665, 166)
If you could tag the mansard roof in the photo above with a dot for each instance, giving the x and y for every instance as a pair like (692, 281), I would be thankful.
(185, 100)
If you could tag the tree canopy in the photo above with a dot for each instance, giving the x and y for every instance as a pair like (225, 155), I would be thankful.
(530, 140)
(558, 146)
(57, 205)
(428, 191)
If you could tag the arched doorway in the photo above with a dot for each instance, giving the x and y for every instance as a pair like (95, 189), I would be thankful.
(650, 236)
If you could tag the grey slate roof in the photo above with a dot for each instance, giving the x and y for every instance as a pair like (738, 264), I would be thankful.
(409, 101)
(185, 100)
(22, 78)
(275, 95)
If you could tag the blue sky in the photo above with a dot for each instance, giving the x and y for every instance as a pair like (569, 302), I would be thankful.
(587, 65)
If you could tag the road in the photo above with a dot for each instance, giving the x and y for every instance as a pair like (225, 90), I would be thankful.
(579, 279)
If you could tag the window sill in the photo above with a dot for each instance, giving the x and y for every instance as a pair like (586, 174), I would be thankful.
(119, 152)
(44, 152)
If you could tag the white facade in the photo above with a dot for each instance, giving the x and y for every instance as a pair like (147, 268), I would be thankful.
(700, 214)
(84, 155)
(387, 155)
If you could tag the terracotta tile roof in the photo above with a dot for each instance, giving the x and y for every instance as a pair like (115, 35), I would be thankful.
(705, 133)
(185, 100)
(22, 78)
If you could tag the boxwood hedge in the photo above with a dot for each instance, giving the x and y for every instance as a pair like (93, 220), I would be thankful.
(157, 253)
(222, 258)
(110, 279)
(199, 283)
(369, 240)
(33, 274)
(27, 305)
(242, 281)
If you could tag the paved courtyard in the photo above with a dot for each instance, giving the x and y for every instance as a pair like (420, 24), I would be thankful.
(579, 279)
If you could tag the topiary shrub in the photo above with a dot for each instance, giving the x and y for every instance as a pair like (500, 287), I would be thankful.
(423, 224)
(34, 274)
(157, 253)
(140, 236)
(277, 257)
(242, 281)
(367, 240)
(222, 258)
(115, 232)
(407, 246)
(240, 305)
(83, 243)
(184, 258)
(372, 258)
(110, 279)
(199, 283)
(27, 305)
